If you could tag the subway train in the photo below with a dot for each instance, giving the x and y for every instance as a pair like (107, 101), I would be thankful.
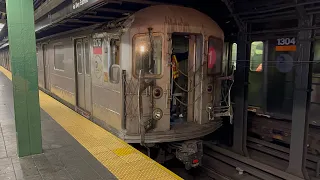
(153, 78)
(271, 85)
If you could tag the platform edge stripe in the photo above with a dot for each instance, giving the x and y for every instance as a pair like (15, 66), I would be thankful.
(170, 173)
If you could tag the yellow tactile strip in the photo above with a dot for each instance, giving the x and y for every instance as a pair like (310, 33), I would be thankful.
(120, 158)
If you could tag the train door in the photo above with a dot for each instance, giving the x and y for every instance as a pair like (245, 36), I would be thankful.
(280, 77)
(83, 74)
(179, 80)
(46, 71)
(186, 60)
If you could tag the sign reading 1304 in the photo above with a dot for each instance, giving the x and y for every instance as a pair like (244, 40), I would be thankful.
(286, 41)
(78, 3)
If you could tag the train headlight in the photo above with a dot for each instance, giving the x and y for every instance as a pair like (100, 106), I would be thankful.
(157, 92)
(209, 107)
(157, 114)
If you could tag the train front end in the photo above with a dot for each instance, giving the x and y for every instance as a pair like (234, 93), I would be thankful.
(173, 90)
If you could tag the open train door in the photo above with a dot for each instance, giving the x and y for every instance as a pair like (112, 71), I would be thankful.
(83, 76)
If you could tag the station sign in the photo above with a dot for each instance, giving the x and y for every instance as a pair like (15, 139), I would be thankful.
(77, 4)
(286, 44)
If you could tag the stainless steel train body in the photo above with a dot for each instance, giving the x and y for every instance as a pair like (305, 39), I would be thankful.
(120, 75)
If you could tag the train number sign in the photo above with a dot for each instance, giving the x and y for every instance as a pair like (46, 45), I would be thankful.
(286, 41)
(97, 46)
(286, 44)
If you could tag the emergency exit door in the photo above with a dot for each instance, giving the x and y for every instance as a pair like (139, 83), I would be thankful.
(83, 73)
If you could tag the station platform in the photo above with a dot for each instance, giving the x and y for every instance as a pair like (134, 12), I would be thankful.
(73, 147)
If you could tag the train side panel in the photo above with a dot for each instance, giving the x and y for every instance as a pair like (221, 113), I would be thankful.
(106, 96)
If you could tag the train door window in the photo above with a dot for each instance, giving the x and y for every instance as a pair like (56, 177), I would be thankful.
(79, 57)
(147, 53)
(256, 57)
(58, 57)
(234, 51)
(37, 55)
(215, 48)
(316, 58)
(87, 57)
(115, 48)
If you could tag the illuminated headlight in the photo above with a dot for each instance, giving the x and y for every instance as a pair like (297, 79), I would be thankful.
(157, 114)
(209, 107)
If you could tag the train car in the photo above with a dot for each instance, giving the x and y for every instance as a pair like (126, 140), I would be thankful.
(271, 89)
(153, 78)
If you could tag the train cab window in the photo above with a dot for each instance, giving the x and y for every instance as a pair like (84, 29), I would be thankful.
(87, 57)
(147, 54)
(234, 51)
(256, 56)
(58, 57)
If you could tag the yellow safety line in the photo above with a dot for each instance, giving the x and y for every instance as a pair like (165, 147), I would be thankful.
(124, 161)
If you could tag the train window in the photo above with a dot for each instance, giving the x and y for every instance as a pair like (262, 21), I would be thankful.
(79, 57)
(234, 51)
(256, 56)
(115, 47)
(316, 58)
(37, 49)
(59, 57)
(87, 57)
(148, 56)
(215, 48)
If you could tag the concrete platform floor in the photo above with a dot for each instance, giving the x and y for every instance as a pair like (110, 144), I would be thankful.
(63, 158)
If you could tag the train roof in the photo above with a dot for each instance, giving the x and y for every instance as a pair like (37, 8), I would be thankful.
(176, 15)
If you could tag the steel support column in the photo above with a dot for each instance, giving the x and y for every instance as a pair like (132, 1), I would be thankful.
(300, 125)
(241, 96)
(24, 76)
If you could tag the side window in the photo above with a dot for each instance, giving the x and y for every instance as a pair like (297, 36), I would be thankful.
(58, 57)
(87, 57)
(234, 50)
(79, 57)
(316, 58)
(215, 48)
(256, 57)
(147, 55)
(37, 55)
(115, 51)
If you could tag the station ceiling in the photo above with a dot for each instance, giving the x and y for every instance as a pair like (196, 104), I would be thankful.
(54, 16)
